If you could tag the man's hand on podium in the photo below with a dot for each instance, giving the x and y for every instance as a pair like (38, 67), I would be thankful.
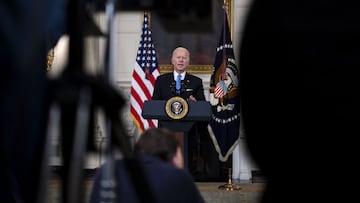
(191, 98)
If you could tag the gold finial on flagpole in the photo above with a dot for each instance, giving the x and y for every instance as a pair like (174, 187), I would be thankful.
(226, 6)
(229, 186)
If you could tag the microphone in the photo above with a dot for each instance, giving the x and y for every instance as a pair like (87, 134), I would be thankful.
(173, 88)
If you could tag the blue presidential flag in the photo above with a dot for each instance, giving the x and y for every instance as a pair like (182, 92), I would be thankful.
(224, 97)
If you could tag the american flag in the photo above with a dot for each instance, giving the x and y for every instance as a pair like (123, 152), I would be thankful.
(146, 70)
(220, 89)
(225, 99)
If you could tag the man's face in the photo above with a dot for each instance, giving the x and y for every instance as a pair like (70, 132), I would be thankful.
(180, 59)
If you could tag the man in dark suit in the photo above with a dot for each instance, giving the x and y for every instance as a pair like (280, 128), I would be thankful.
(191, 88)
(156, 173)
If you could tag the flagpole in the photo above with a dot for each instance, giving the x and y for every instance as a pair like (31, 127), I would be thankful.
(223, 66)
(224, 62)
(147, 68)
(229, 186)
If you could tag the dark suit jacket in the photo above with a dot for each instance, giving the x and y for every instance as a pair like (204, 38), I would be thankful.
(148, 179)
(165, 87)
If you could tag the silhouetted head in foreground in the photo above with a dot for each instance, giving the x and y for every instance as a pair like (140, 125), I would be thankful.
(298, 64)
(162, 143)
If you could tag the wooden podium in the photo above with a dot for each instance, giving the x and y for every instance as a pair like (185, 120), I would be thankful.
(196, 111)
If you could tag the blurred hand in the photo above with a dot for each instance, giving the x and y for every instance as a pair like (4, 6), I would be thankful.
(191, 98)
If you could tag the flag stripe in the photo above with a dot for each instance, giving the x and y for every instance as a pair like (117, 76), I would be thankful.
(146, 89)
(137, 106)
(219, 92)
(137, 118)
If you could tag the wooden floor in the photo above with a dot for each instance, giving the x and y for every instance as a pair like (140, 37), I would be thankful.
(249, 192)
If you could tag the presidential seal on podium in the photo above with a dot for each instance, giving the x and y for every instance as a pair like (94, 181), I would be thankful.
(176, 107)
